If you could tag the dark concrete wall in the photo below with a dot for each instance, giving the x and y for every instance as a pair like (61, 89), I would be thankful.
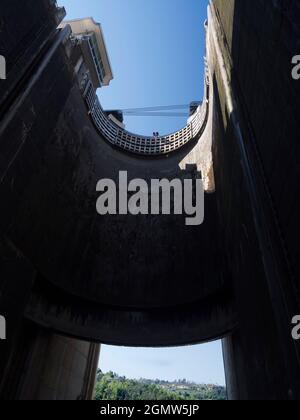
(59, 368)
(23, 37)
(17, 276)
(262, 39)
(256, 170)
(147, 274)
(131, 261)
(150, 280)
(46, 366)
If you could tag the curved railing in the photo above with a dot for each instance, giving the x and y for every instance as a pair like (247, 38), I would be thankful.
(143, 145)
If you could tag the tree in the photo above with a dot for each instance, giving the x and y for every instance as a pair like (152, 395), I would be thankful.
(111, 387)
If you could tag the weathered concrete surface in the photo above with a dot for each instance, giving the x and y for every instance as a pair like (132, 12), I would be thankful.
(169, 287)
(119, 260)
(17, 276)
(59, 368)
(151, 280)
(23, 36)
(46, 366)
(151, 265)
(200, 321)
(256, 151)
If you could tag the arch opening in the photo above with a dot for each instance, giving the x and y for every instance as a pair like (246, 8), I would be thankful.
(179, 373)
(145, 145)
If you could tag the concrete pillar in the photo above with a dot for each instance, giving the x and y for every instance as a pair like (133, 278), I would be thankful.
(17, 276)
(59, 368)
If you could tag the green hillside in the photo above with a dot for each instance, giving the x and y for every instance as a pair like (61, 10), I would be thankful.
(112, 387)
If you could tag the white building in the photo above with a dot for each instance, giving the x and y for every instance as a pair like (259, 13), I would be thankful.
(89, 37)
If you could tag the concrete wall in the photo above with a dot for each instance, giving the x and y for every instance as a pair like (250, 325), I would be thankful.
(155, 280)
(23, 37)
(17, 276)
(46, 366)
(60, 368)
(150, 280)
(74, 273)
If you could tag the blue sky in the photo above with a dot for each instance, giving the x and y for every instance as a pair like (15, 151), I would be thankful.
(200, 364)
(156, 48)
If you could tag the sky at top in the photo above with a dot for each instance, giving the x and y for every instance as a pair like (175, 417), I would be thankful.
(156, 49)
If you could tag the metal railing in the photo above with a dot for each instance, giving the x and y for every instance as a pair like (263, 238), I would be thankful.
(143, 145)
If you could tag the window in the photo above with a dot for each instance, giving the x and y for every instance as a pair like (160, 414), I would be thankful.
(96, 57)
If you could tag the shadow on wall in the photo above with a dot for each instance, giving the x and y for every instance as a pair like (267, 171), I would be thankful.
(260, 41)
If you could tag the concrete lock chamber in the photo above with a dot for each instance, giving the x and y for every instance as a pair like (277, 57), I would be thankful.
(68, 274)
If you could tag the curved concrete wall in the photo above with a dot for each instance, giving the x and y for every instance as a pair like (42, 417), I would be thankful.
(141, 145)
(139, 276)
(69, 270)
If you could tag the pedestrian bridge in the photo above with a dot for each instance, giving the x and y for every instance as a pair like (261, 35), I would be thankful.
(142, 145)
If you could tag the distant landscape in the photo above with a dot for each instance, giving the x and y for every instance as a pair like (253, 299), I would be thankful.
(113, 387)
